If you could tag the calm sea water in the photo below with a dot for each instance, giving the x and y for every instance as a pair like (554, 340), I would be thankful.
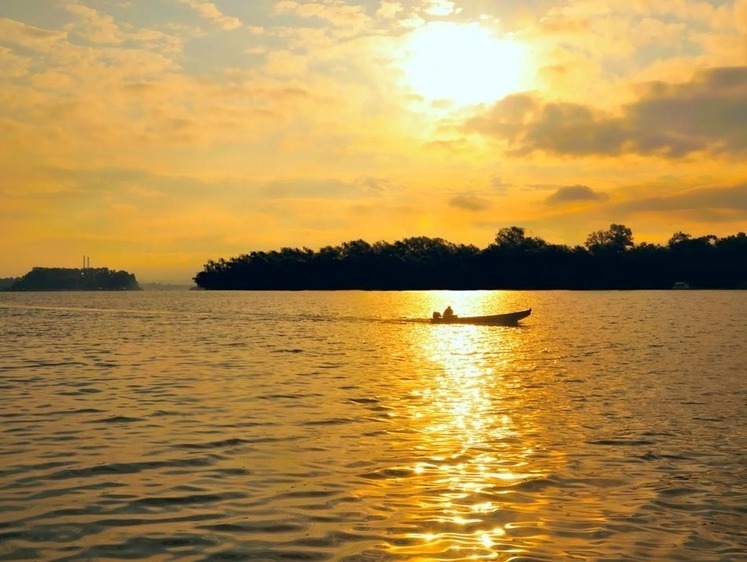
(338, 426)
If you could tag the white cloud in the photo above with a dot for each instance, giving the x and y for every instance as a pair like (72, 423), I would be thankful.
(441, 8)
(389, 9)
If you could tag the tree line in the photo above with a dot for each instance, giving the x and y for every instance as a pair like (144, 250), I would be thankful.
(75, 279)
(609, 259)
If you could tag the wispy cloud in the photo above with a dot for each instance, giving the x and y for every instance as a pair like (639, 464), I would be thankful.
(325, 189)
(469, 202)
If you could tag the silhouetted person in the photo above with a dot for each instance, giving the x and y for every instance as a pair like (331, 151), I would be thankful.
(448, 313)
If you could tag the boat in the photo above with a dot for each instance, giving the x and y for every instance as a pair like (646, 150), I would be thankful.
(495, 320)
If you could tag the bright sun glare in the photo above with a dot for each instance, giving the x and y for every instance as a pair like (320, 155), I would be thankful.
(464, 63)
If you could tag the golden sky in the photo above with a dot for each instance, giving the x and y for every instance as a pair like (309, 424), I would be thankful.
(154, 135)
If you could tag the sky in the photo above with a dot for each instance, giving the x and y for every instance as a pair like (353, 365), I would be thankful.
(155, 135)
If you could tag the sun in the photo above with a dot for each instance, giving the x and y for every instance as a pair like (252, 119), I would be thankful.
(463, 63)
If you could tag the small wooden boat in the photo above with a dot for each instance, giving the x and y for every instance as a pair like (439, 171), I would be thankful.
(495, 320)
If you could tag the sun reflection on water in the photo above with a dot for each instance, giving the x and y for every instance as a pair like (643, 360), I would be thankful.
(476, 444)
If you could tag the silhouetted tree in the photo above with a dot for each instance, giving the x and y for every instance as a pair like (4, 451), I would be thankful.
(514, 239)
(609, 260)
(617, 239)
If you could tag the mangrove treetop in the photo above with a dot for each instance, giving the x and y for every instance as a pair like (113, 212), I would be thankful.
(608, 260)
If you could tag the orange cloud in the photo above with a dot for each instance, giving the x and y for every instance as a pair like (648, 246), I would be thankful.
(210, 12)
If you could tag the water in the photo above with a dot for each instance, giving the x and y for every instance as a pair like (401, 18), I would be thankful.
(336, 426)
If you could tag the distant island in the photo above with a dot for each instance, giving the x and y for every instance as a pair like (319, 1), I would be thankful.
(608, 260)
(74, 279)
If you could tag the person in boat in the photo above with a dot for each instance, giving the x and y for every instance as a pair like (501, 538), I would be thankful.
(448, 313)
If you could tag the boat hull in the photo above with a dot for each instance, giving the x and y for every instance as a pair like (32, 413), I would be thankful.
(494, 320)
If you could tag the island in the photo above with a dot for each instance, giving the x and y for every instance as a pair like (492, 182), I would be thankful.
(75, 279)
(608, 260)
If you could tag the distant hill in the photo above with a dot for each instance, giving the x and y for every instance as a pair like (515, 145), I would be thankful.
(75, 279)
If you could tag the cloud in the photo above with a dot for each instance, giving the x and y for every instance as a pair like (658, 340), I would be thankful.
(102, 29)
(321, 189)
(12, 65)
(469, 202)
(370, 185)
(389, 9)
(730, 199)
(28, 36)
(497, 183)
(451, 145)
(697, 209)
(338, 14)
(574, 193)
(210, 12)
(707, 114)
(94, 26)
(441, 8)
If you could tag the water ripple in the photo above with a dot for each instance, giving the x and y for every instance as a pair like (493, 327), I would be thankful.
(242, 426)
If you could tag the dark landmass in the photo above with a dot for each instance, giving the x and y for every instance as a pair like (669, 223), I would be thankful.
(608, 260)
(73, 279)
(6, 282)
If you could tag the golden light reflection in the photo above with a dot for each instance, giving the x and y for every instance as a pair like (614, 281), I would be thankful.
(477, 440)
